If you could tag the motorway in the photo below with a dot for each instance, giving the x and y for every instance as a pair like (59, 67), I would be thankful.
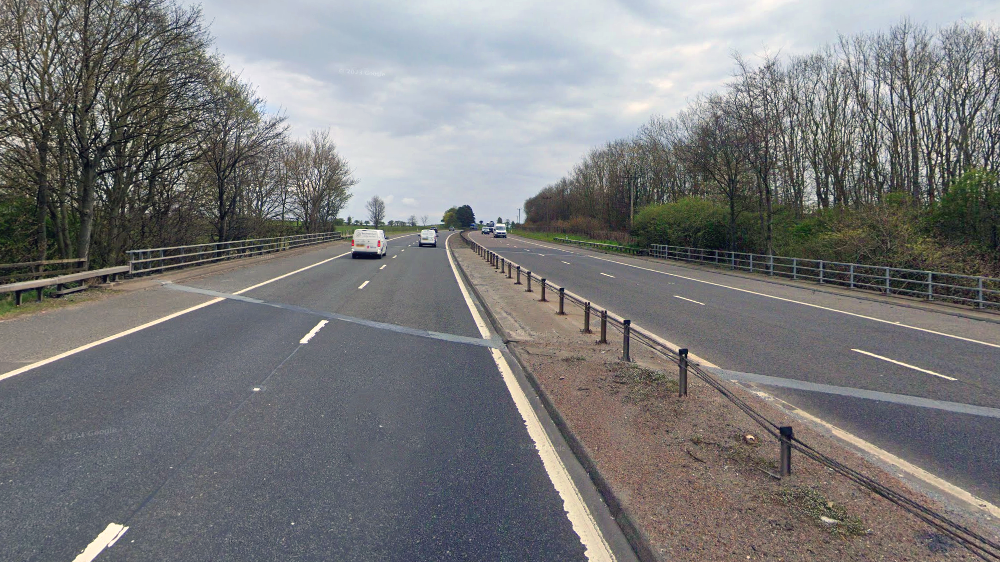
(312, 407)
(922, 385)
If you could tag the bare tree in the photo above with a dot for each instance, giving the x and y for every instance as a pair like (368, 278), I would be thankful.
(424, 219)
(376, 210)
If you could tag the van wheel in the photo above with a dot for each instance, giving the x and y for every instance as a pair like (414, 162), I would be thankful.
(380, 256)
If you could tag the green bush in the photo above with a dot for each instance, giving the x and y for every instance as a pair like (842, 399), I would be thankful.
(690, 221)
(970, 210)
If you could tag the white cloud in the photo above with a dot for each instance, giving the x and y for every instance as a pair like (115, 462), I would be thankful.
(483, 103)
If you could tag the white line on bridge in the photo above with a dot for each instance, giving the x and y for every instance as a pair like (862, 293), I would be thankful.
(689, 300)
(314, 331)
(900, 363)
(104, 540)
(363, 285)
(606, 275)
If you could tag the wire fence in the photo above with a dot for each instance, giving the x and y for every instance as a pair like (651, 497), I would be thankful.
(978, 291)
(981, 546)
(161, 259)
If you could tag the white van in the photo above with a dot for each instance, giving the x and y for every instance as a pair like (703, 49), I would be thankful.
(500, 231)
(428, 237)
(369, 242)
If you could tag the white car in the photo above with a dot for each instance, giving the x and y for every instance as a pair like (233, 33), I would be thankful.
(428, 238)
(368, 242)
(487, 230)
(500, 231)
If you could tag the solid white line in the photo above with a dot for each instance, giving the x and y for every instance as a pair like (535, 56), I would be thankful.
(104, 540)
(314, 331)
(900, 363)
(606, 275)
(566, 262)
(280, 277)
(74, 351)
(363, 285)
(689, 300)
(594, 543)
(381, 268)
(820, 307)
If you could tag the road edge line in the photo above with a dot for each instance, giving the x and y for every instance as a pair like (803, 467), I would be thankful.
(594, 542)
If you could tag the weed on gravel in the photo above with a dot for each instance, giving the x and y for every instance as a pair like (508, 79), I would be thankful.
(828, 515)
(641, 383)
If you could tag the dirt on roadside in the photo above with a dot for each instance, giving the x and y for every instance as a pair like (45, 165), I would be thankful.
(696, 475)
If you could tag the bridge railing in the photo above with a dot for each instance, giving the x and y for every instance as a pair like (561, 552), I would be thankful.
(160, 259)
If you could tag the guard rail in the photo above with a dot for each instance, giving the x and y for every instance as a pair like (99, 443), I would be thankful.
(983, 547)
(604, 247)
(160, 259)
(978, 291)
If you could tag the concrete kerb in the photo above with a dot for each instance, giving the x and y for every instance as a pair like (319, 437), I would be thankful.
(636, 537)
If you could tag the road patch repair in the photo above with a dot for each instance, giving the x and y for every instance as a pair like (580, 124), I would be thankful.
(695, 478)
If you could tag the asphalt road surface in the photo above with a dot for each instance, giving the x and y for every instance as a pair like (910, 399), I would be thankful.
(846, 349)
(353, 410)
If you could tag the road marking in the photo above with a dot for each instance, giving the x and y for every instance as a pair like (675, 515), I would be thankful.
(566, 262)
(280, 277)
(106, 539)
(900, 363)
(689, 300)
(363, 285)
(594, 543)
(887, 457)
(817, 306)
(381, 268)
(606, 275)
(314, 331)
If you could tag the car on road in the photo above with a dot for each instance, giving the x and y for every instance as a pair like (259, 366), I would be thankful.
(500, 231)
(487, 230)
(428, 238)
(451, 228)
(368, 242)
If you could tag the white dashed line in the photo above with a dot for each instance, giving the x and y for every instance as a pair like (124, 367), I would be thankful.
(689, 300)
(606, 275)
(566, 262)
(393, 257)
(381, 268)
(901, 364)
(363, 285)
(305, 339)
(106, 539)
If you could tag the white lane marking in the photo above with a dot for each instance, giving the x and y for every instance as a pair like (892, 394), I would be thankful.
(566, 262)
(280, 277)
(363, 285)
(314, 331)
(900, 363)
(594, 543)
(381, 268)
(74, 351)
(689, 300)
(106, 539)
(606, 275)
(817, 306)
(130, 331)
(393, 257)
(889, 458)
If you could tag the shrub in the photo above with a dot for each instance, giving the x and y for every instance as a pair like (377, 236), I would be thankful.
(690, 221)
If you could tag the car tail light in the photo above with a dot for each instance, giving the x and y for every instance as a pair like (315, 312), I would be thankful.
(379, 243)
(352, 243)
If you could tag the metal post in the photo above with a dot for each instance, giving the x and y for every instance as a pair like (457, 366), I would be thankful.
(518, 282)
(820, 272)
(502, 263)
(604, 327)
(770, 265)
(732, 260)
(562, 298)
(930, 285)
(627, 333)
(980, 299)
(543, 290)
(509, 268)
(529, 283)
(496, 261)
(786, 450)
(852, 275)
(751, 263)
(888, 289)
(682, 363)
(795, 268)
(586, 318)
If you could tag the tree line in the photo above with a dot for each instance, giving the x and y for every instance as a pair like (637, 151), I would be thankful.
(120, 128)
(890, 119)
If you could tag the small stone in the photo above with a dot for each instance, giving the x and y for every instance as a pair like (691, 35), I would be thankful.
(828, 520)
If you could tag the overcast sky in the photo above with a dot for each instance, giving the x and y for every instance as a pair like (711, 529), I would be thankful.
(443, 103)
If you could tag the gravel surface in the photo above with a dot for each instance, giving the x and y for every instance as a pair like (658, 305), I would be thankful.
(695, 474)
